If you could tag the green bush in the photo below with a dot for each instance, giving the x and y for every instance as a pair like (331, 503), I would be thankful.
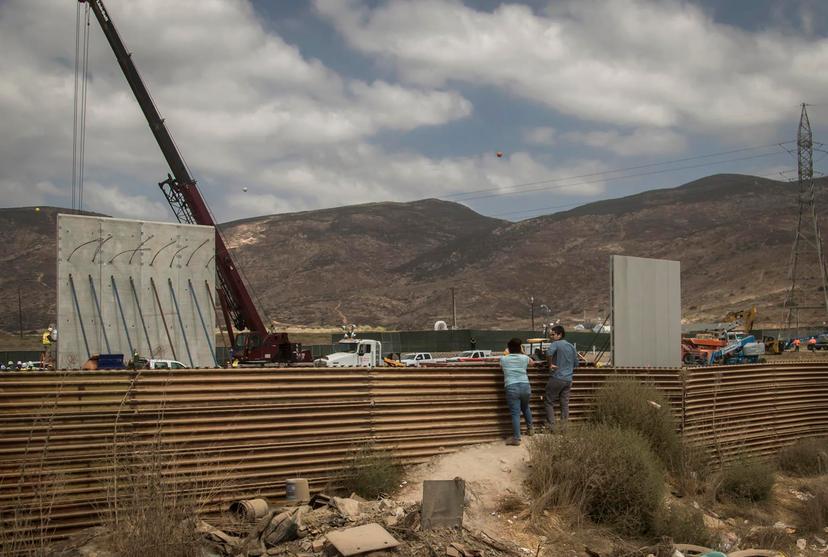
(370, 472)
(806, 457)
(606, 473)
(626, 402)
(748, 479)
(683, 525)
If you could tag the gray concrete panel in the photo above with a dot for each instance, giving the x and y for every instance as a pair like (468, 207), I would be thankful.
(148, 282)
(646, 312)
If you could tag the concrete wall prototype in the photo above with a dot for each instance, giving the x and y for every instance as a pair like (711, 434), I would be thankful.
(646, 312)
(126, 284)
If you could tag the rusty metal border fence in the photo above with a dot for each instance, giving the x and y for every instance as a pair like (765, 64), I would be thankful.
(243, 432)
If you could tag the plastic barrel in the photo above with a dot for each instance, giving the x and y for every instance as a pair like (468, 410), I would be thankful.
(296, 489)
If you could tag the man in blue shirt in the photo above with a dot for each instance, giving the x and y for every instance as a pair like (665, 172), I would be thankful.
(562, 359)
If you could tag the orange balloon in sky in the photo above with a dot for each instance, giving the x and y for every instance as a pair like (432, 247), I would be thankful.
(499, 154)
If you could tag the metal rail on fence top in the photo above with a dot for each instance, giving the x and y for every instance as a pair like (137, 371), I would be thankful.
(60, 430)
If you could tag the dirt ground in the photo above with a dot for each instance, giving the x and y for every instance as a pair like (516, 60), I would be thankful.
(495, 473)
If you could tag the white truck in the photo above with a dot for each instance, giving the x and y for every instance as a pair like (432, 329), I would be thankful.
(354, 352)
(414, 359)
(472, 356)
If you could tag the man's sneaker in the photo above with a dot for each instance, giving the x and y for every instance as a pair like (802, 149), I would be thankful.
(514, 442)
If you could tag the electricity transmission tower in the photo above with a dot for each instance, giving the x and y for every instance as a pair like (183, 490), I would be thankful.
(808, 280)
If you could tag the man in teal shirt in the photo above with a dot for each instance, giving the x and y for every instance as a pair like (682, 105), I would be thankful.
(562, 359)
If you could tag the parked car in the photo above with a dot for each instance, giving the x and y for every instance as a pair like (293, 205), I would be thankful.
(413, 359)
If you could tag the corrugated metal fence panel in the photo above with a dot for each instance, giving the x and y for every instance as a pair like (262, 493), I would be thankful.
(755, 409)
(243, 432)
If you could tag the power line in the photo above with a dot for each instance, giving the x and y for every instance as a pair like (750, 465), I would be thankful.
(625, 169)
(611, 179)
(580, 203)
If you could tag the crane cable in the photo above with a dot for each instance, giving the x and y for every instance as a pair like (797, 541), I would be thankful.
(79, 113)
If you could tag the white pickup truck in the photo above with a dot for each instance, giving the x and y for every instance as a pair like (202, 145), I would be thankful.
(354, 352)
(414, 359)
(473, 356)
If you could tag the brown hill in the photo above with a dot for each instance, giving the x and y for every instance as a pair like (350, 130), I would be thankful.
(393, 264)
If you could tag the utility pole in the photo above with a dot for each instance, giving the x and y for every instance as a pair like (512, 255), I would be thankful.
(453, 311)
(532, 311)
(806, 271)
(20, 312)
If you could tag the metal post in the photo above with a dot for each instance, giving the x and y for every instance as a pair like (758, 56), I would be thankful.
(123, 317)
(180, 322)
(203, 325)
(532, 311)
(20, 311)
(453, 311)
(141, 315)
(163, 319)
(213, 304)
(80, 317)
(100, 315)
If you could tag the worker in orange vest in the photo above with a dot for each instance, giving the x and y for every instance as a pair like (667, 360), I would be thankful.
(796, 344)
(812, 343)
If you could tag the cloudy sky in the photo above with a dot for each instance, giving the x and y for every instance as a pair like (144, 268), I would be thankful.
(320, 104)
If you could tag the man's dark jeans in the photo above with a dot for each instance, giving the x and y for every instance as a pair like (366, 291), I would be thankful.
(557, 390)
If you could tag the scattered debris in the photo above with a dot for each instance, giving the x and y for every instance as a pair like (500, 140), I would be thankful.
(361, 539)
(443, 502)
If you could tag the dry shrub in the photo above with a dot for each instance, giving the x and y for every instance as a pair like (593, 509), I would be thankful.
(25, 528)
(747, 479)
(812, 513)
(152, 506)
(605, 473)
(370, 472)
(768, 537)
(626, 402)
(806, 457)
(510, 503)
(683, 525)
(693, 470)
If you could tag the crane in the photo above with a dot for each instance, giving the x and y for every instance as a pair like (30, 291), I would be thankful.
(253, 343)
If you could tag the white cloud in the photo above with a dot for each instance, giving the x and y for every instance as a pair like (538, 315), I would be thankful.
(622, 62)
(652, 141)
(111, 200)
(238, 99)
(543, 135)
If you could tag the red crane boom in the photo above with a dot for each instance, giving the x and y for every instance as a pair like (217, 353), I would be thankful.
(258, 344)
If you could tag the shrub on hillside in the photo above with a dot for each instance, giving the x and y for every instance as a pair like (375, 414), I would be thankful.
(606, 473)
(626, 402)
(693, 470)
(812, 513)
(748, 479)
(150, 509)
(370, 472)
(806, 457)
(683, 525)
